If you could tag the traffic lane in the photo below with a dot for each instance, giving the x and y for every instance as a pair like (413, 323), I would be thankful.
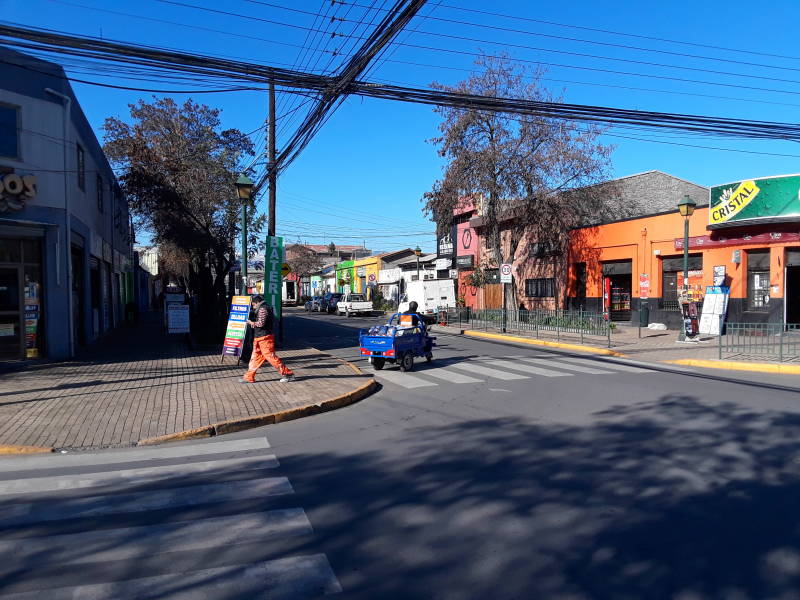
(587, 487)
(470, 496)
(339, 335)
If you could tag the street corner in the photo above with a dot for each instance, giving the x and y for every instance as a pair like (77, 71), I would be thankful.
(755, 367)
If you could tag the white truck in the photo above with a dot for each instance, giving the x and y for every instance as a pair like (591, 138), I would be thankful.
(430, 295)
(353, 304)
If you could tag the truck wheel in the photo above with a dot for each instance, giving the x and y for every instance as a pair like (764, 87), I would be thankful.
(378, 362)
(407, 362)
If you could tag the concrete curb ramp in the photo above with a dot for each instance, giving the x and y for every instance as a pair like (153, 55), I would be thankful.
(530, 342)
(737, 366)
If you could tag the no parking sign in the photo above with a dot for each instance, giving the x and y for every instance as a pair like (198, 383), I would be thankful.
(505, 273)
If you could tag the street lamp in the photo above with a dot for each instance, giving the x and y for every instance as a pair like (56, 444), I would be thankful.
(685, 208)
(418, 252)
(244, 187)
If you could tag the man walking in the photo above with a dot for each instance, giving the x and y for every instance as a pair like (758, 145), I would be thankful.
(264, 343)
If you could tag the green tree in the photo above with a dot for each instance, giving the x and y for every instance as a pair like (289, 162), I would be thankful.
(533, 177)
(178, 170)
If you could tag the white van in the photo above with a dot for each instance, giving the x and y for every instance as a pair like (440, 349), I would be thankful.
(429, 295)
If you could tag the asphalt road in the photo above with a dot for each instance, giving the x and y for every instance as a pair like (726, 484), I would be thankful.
(495, 472)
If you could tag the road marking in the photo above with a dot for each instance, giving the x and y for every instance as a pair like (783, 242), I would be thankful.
(517, 366)
(451, 376)
(293, 578)
(142, 474)
(495, 373)
(127, 543)
(117, 504)
(405, 380)
(607, 365)
(132, 455)
(554, 363)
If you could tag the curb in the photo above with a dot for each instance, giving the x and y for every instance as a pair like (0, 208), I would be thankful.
(530, 342)
(737, 366)
(244, 423)
(11, 449)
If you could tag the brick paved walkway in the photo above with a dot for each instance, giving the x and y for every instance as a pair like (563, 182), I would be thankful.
(141, 383)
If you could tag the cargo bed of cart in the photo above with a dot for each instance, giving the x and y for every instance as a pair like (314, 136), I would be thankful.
(398, 343)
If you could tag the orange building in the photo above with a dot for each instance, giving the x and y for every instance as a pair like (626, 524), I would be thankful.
(752, 245)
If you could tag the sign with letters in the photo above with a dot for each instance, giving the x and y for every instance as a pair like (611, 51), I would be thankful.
(273, 276)
(754, 200)
(237, 326)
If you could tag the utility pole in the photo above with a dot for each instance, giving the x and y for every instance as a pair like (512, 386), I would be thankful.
(272, 167)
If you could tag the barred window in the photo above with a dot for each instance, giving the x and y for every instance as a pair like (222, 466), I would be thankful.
(758, 280)
(539, 288)
(81, 163)
(100, 199)
(9, 131)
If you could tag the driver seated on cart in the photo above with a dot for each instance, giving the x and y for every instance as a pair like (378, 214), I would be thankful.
(410, 317)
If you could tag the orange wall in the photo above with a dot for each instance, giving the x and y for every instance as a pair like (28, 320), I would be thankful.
(646, 240)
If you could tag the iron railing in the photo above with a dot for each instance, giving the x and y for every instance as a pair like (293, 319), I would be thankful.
(760, 341)
(576, 322)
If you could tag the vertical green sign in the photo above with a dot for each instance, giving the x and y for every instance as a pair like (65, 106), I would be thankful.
(273, 262)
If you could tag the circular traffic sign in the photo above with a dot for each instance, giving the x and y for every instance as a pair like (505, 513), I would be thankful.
(505, 269)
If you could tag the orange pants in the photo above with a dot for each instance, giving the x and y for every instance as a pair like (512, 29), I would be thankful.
(264, 350)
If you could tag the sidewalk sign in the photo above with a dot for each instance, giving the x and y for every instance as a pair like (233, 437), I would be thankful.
(177, 318)
(237, 326)
(715, 305)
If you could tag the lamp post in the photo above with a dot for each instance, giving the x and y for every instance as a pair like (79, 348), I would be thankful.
(685, 208)
(418, 252)
(244, 187)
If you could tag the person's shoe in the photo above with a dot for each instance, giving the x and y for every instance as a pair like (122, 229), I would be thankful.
(246, 381)
(287, 378)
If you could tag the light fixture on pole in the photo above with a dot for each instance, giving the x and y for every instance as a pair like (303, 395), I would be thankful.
(418, 252)
(685, 208)
(244, 188)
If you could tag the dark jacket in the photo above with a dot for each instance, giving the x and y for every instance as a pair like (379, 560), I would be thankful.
(263, 321)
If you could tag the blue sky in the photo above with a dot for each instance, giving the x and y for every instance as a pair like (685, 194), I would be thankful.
(361, 179)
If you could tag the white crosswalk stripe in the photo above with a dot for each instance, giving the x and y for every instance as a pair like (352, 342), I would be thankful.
(225, 537)
(406, 380)
(605, 364)
(473, 367)
(449, 375)
(517, 365)
(553, 363)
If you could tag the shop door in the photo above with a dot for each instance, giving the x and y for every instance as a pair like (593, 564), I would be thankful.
(793, 294)
(11, 338)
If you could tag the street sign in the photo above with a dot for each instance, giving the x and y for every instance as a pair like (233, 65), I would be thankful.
(177, 318)
(285, 269)
(505, 273)
(273, 268)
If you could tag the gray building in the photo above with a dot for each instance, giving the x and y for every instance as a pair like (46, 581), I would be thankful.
(65, 236)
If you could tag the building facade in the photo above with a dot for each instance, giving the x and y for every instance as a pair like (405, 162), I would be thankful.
(65, 236)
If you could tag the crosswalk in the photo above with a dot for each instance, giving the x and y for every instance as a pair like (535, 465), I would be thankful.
(204, 520)
(509, 368)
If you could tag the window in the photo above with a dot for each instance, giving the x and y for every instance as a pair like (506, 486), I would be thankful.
(758, 280)
(542, 249)
(539, 288)
(9, 131)
(81, 165)
(99, 193)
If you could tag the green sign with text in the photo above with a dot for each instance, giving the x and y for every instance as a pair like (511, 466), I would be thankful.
(772, 199)
(273, 278)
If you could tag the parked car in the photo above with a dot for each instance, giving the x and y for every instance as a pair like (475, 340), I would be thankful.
(329, 301)
(354, 304)
(430, 296)
(313, 304)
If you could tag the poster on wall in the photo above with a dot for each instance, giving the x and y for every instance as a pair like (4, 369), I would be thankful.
(715, 306)
(237, 326)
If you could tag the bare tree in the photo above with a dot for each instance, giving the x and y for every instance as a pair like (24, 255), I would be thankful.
(178, 170)
(302, 260)
(532, 177)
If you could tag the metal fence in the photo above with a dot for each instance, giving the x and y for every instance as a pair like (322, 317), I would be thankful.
(561, 322)
(760, 341)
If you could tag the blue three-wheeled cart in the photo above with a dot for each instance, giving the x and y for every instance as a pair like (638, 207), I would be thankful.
(397, 342)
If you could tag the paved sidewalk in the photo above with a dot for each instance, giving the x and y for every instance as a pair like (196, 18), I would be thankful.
(140, 383)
